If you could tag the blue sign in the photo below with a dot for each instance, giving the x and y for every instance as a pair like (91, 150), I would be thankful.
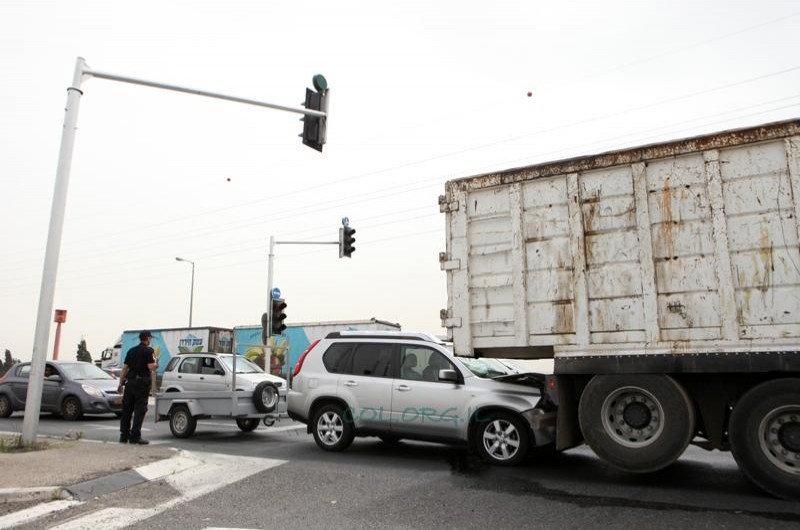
(276, 293)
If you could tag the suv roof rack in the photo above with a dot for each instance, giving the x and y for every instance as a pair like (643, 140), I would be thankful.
(403, 335)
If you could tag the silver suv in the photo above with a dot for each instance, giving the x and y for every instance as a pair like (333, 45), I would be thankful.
(409, 385)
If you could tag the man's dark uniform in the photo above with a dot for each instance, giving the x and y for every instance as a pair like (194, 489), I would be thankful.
(137, 390)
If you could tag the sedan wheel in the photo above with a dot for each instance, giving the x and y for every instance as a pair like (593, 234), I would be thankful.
(5, 407)
(71, 408)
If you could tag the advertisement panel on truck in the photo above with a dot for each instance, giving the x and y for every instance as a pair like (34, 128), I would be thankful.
(169, 342)
(295, 339)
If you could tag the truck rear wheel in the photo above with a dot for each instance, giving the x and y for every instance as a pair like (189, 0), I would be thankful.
(637, 423)
(181, 422)
(764, 434)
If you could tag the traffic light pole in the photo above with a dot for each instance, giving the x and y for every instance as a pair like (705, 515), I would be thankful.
(33, 400)
(270, 272)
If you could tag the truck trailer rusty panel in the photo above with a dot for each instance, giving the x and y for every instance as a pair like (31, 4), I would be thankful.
(685, 246)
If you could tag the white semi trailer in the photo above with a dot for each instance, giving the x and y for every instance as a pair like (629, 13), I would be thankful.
(663, 280)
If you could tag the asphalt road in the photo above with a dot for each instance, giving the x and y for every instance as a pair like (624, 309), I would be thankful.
(420, 485)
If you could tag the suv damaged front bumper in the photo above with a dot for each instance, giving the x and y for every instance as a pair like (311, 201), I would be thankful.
(543, 426)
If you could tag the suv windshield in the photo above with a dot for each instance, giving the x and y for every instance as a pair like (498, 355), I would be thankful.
(243, 366)
(487, 368)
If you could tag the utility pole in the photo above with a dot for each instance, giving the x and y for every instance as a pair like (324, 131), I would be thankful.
(30, 423)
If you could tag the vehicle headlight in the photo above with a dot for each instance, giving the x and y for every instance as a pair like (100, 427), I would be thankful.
(92, 391)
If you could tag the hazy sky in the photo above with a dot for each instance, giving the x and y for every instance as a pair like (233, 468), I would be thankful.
(421, 92)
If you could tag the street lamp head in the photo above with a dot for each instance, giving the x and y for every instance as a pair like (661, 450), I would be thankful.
(178, 259)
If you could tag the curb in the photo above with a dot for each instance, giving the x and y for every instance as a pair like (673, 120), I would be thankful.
(57, 498)
(47, 493)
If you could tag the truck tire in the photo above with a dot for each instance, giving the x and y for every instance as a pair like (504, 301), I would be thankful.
(265, 397)
(501, 439)
(764, 433)
(5, 406)
(637, 423)
(332, 428)
(247, 424)
(181, 422)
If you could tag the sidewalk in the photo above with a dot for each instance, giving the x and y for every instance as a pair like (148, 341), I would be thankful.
(32, 477)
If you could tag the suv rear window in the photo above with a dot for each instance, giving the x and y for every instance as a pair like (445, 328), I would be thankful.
(366, 359)
(337, 358)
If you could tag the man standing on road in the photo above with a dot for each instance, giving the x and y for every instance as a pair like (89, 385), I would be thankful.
(136, 379)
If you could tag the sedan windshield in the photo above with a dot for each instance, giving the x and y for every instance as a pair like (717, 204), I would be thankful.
(243, 366)
(487, 368)
(79, 371)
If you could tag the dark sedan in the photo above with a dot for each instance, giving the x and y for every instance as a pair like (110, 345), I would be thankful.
(70, 388)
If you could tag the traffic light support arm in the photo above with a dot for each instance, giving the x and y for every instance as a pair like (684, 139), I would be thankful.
(197, 92)
(270, 272)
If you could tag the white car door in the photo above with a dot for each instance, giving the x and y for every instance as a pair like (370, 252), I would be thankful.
(212, 376)
(188, 374)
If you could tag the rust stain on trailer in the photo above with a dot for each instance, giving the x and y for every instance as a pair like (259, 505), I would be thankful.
(666, 219)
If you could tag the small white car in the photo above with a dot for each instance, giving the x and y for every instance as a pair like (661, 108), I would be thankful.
(200, 372)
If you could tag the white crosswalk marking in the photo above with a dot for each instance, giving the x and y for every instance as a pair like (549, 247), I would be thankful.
(193, 474)
(35, 512)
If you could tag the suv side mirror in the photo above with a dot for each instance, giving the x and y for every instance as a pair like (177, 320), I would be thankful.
(54, 377)
(448, 375)
(219, 372)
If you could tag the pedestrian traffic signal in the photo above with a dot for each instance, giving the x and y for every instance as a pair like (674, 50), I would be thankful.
(278, 316)
(314, 127)
(346, 241)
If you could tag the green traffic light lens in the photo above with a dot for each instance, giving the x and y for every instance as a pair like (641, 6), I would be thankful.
(320, 83)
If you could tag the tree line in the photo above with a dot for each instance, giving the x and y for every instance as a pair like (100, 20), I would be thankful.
(82, 354)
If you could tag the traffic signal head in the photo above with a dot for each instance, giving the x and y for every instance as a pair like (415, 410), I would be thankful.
(314, 127)
(346, 240)
(278, 316)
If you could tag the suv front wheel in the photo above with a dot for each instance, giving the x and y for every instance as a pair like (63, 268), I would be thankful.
(502, 439)
(332, 429)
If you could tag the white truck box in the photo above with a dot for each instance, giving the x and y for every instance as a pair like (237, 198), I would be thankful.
(663, 280)
(679, 247)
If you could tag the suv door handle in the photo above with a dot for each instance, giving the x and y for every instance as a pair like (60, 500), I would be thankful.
(350, 383)
(403, 388)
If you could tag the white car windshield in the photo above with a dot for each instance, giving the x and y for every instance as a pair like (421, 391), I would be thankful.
(243, 366)
(487, 368)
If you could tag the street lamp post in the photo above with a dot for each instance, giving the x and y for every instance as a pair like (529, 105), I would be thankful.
(191, 293)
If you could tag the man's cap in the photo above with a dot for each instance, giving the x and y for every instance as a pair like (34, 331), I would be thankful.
(145, 334)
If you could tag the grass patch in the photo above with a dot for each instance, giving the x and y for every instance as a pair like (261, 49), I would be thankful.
(14, 444)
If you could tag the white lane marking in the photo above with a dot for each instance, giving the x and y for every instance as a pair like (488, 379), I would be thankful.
(201, 474)
(260, 430)
(283, 429)
(155, 470)
(35, 512)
